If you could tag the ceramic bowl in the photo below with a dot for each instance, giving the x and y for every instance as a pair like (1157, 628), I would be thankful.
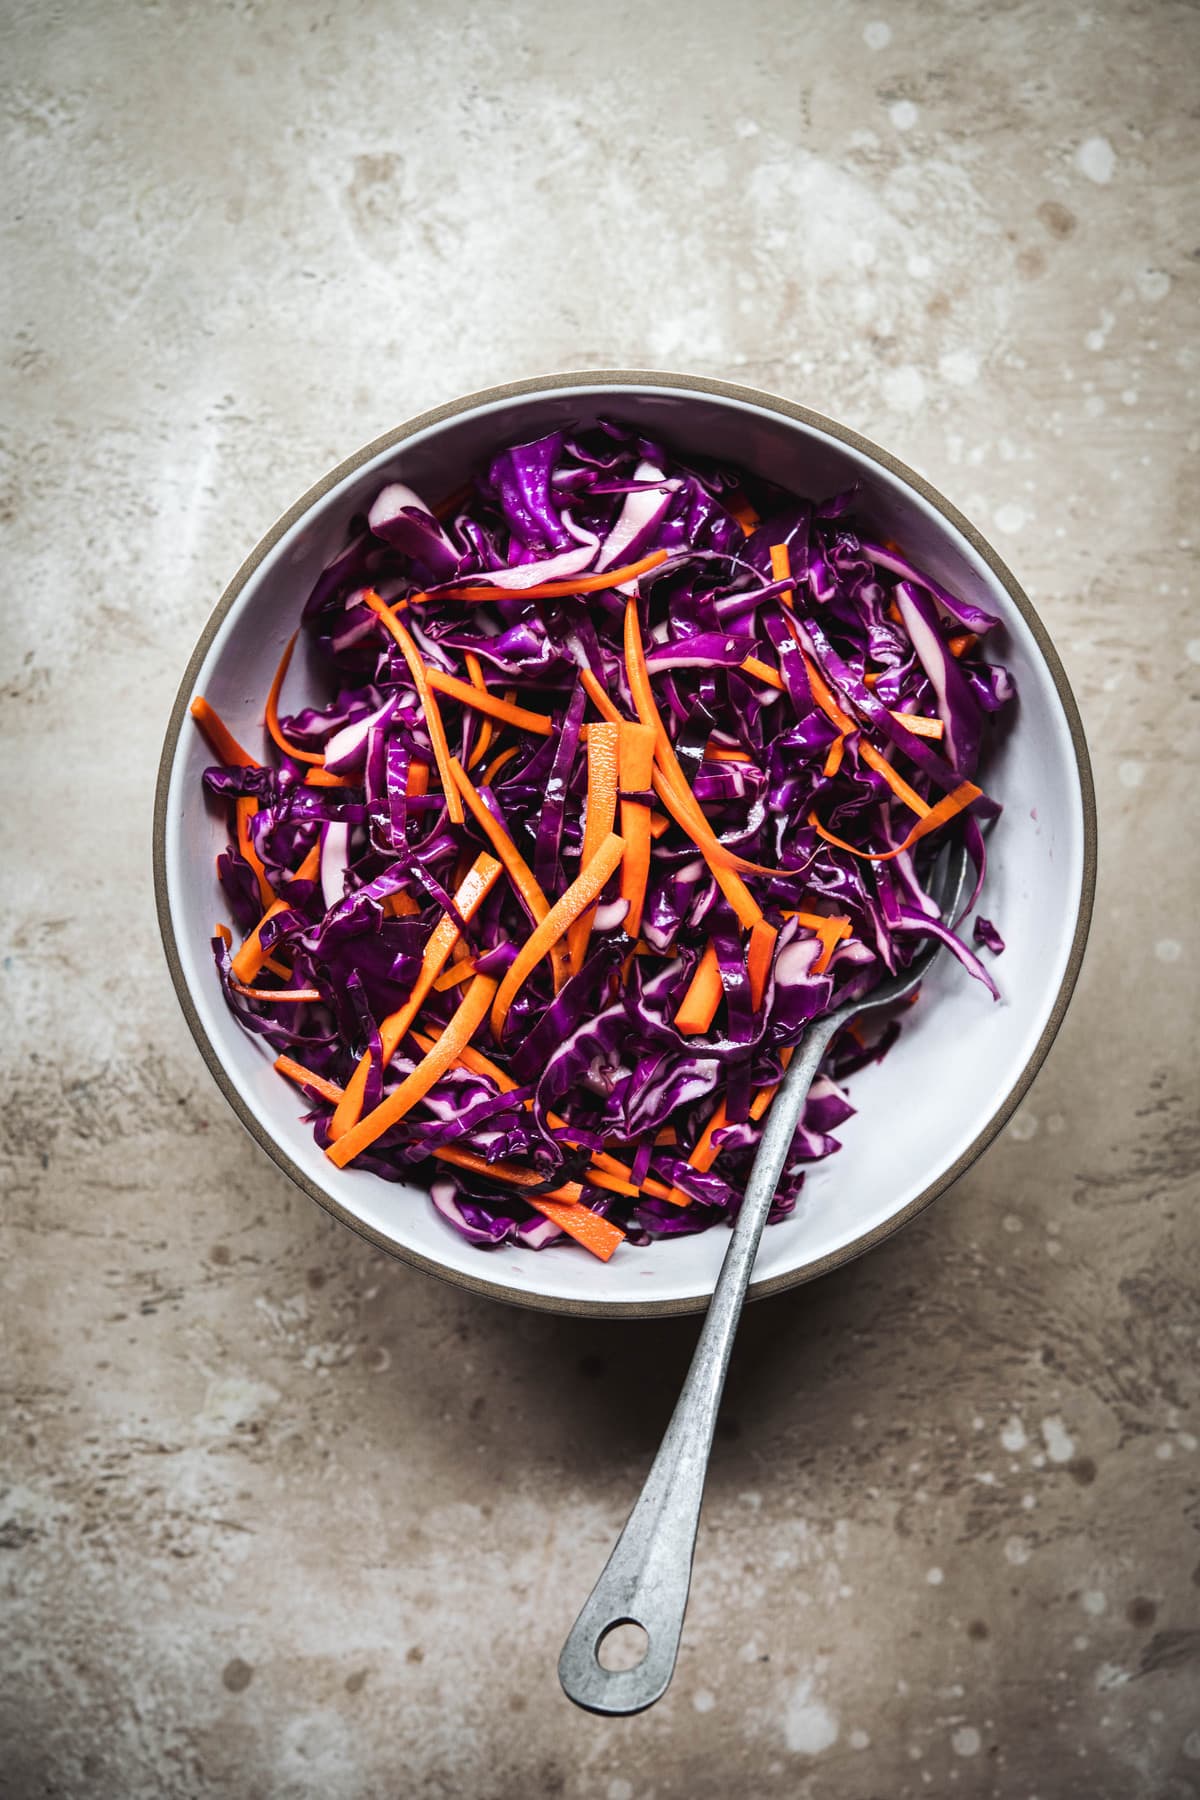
(962, 1064)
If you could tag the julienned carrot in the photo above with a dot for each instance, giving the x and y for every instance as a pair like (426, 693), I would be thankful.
(875, 760)
(831, 928)
(417, 782)
(764, 1096)
(919, 725)
(273, 725)
(961, 642)
(283, 994)
(561, 1206)
(328, 1090)
(744, 513)
(758, 959)
(487, 703)
(720, 753)
(603, 748)
(599, 698)
(487, 729)
(515, 866)
(220, 737)
(556, 590)
(454, 976)
(585, 889)
(471, 894)
(251, 957)
(659, 823)
(224, 933)
(761, 671)
(636, 762)
(497, 763)
(670, 782)
(947, 807)
(401, 906)
(321, 778)
(433, 718)
(698, 1008)
(429, 1070)
(704, 1155)
(781, 569)
(244, 811)
(833, 760)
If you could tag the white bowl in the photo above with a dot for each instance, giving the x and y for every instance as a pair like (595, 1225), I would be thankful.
(962, 1064)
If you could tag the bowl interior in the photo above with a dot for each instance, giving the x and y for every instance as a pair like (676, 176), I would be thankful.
(961, 1062)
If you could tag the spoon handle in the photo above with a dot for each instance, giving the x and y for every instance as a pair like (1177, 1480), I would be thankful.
(646, 1579)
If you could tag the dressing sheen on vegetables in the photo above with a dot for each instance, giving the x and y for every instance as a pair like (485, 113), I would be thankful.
(627, 771)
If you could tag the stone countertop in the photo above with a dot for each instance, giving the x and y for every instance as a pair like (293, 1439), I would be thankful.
(279, 1516)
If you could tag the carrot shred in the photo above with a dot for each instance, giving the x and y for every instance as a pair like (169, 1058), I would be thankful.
(875, 760)
(764, 1096)
(698, 1008)
(321, 778)
(401, 906)
(224, 933)
(894, 613)
(719, 753)
(744, 513)
(602, 761)
(273, 725)
(487, 703)
(599, 699)
(758, 959)
(781, 569)
(288, 994)
(454, 976)
(417, 782)
(871, 680)
(667, 1135)
(556, 590)
(636, 763)
(761, 671)
(328, 1090)
(919, 725)
(704, 1155)
(244, 811)
(515, 866)
(961, 642)
(833, 760)
(659, 823)
(831, 928)
(433, 718)
(220, 737)
(947, 807)
(561, 1205)
(487, 729)
(310, 866)
(471, 894)
(428, 1072)
(585, 889)
(497, 763)
(823, 694)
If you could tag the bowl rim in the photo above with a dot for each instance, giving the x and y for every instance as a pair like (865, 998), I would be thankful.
(788, 409)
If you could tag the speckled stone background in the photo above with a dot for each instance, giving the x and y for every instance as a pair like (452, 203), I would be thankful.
(279, 1517)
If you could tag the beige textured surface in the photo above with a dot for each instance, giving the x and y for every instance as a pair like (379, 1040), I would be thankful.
(279, 1517)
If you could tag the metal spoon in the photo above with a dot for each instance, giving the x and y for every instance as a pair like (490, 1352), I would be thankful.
(646, 1579)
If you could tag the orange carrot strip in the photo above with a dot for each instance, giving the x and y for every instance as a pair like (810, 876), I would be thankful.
(454, 976)
(328, 1090)
(599, 698)
(961, 642)
(833, 760)
(557, 590)
(309, 867)
(418, 780)
(487, 703)
(561, 1206)
(517, 869)
(919, 725)
(947, 807)
(704, 1156)
(220, 737)
(781, 569)
(871, 680)
(698, 1008)
(718, 753)
(894, 613)
(401, 906)
(278, 968)
(764, 1096)
(433, 718)
(761, 671)
(830, 928)
(874, 760)
(487, 729)
(321, 778)
(469, 898)
(427, 1073)
(758, 959)
(822, 693)
(244, 811)
(287, 994)
(659, 823)
(744, 513)
(670, 782)
(602, 754)
(636, 760)
(224, 933)
(585, 888)
(273, 725)
(668, 1135)
(251, 957)
(496, 764)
